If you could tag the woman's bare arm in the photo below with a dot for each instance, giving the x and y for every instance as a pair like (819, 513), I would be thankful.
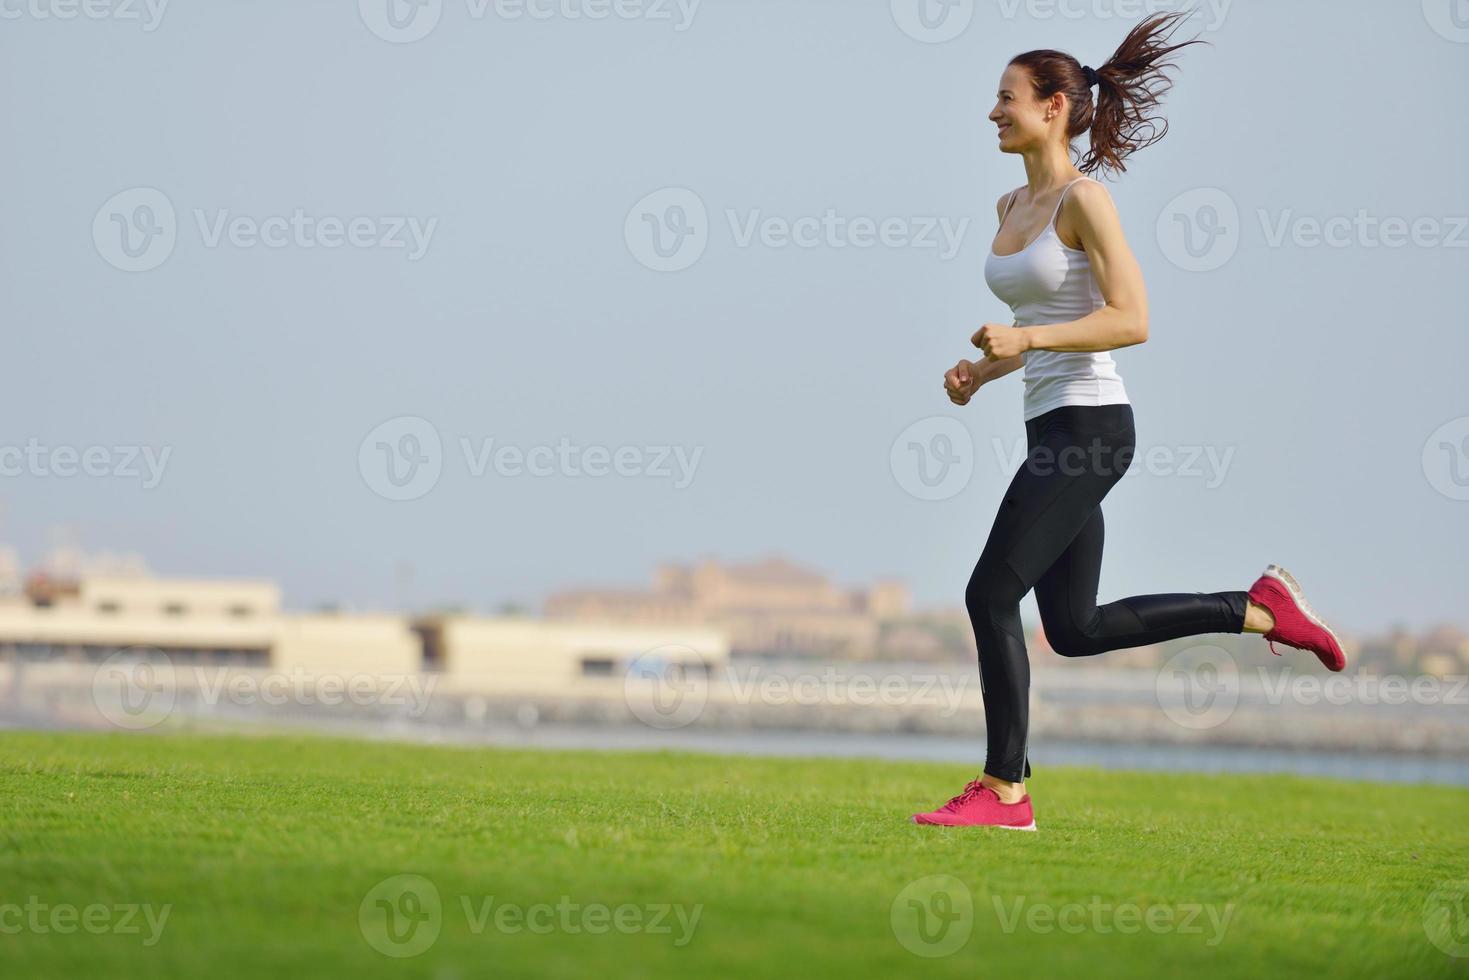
(1123, 320)
(986, 370)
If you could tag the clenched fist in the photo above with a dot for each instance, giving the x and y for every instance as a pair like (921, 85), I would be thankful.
(999, 341)
(960, 383)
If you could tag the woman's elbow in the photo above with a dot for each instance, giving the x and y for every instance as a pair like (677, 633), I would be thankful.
(1138, 334)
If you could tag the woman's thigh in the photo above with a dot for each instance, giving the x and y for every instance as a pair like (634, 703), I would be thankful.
(1073, 461)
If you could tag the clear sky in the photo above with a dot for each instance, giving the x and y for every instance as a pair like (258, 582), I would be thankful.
(183, 275)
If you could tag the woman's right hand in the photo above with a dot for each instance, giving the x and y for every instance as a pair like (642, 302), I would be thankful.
(961, 383)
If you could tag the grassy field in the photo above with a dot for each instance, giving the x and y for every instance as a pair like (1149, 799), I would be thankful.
(323, 858)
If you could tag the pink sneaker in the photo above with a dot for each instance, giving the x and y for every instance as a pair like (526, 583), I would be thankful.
(1296, 623)
(978, 806)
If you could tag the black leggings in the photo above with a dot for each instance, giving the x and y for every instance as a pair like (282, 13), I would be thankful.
(1048, 536)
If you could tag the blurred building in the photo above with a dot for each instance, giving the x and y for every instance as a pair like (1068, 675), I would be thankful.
(236, 623)
(521, 653)
(1442, 651)
(240, 623)
(771, 607)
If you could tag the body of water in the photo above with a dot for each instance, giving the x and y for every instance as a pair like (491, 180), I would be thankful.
(1371, 767)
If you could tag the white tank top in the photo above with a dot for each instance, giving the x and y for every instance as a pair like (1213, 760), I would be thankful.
(1047, 282)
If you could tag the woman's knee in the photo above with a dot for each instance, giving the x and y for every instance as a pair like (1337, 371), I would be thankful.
(1070, 641)
(993, 590)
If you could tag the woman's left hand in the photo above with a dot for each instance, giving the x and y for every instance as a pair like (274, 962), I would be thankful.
(999, 341)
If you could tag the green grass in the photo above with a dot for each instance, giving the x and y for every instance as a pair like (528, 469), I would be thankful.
(267, 847)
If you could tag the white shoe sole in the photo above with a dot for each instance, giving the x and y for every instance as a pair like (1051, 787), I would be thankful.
(1294, 588)
(1029, 826)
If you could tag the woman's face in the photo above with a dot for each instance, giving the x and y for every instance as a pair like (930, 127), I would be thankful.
(1019, 114)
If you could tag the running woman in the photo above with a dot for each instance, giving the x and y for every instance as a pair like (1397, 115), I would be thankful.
(1061, 263)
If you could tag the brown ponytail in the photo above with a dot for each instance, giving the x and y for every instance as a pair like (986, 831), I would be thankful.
(1130, 86)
